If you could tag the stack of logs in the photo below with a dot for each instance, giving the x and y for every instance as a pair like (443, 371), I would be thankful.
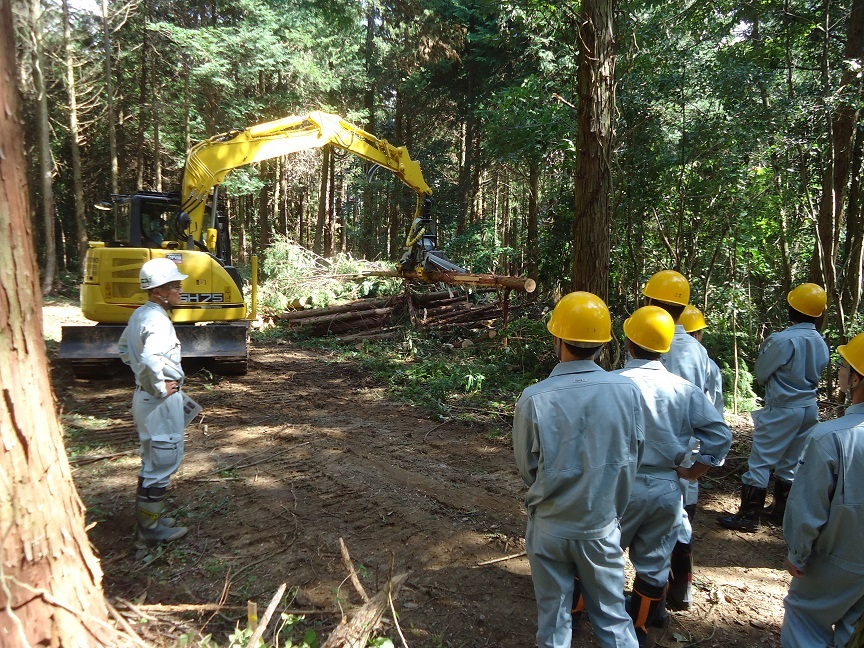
(384, 318)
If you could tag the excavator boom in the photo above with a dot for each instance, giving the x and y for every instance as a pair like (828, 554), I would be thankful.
(209, 161)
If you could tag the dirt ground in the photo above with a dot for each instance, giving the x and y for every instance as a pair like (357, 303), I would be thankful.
(305, 450)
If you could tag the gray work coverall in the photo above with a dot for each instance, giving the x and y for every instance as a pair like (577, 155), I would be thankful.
(676, 410)
(688, 359)
(577, 438)
(149, 345)
(823, 525)
(789, 365)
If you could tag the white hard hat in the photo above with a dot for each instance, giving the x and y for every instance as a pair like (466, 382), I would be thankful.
(158, 272)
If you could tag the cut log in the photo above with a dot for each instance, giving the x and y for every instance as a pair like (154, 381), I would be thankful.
(354, 632)
(343, 317)
(524, 284)
(351, 307)
(372, 334)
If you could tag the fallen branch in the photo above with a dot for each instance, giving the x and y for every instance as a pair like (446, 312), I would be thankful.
(262, 626)
(355, 632)
(346, 560)
(502, 559)
(92, 459)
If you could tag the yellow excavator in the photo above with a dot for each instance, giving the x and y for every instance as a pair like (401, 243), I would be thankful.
(212, 322)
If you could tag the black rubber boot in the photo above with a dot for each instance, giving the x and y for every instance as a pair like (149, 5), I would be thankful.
(778, 508)
(150, 503)
(747, 517)
(643, 606)
(680, 595)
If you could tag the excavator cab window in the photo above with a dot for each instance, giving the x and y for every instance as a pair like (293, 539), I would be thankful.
(148, 215)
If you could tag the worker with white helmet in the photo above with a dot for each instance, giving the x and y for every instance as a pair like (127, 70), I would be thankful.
(823, 521)
(577, 438)
(149, 345)
(676, 411)
(790, 365)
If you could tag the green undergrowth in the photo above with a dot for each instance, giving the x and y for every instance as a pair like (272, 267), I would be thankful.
(478, 384)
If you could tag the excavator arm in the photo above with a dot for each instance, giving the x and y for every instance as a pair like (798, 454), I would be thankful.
(208, 162)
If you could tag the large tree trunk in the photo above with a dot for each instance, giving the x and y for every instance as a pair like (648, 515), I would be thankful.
(74, 140)
(46, 164)
(51, 592)
(596, 79)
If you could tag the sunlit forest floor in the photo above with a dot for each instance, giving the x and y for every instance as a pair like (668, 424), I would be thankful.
(300, 453)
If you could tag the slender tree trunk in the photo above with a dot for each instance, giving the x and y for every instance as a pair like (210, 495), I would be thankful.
(332, 232)
(75, 142)
(596, 78)
(52, 593)
(46, 165)
(854, 242)
(318, 246)
(143, 104)
(533, 198)
(109, 99)
(157, 142)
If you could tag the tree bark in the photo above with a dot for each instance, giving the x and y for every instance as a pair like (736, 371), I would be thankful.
(46, 165)
(75, 142)
(51, 592)
(595, 80)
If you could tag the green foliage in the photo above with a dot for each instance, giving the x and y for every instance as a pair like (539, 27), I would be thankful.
(480, 383)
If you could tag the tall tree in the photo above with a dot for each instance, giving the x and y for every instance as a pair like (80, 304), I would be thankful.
(51, 592)
(46, 160)
(592, 180)
(74, 140)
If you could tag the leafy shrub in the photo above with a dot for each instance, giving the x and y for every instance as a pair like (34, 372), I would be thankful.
(294, 274)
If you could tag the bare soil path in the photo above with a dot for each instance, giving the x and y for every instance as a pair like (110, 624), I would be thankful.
(304, 450)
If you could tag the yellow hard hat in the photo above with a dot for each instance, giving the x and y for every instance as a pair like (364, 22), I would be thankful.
(808, 298)
(651, 328)
(692, 320)
(668, 286)
(853, 353)
(581, 317)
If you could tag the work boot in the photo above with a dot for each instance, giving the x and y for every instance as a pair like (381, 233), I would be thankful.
(680, 594)
(164, 520)
(775, 513)
(747, 517)
(150, 528)
(644, 602)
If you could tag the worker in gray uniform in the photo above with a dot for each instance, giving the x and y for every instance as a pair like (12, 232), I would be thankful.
(149, 345)
(577, 438)
(688, 359)
(695, 325)
(676, 411)
(790, 365)
(823, 522)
